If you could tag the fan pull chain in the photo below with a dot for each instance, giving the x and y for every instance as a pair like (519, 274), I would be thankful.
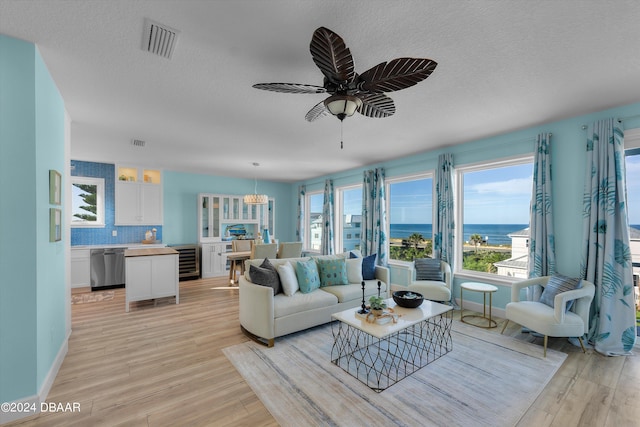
(341, 128)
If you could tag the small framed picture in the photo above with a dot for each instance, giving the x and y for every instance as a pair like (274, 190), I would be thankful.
(55, 225)
(55, 187)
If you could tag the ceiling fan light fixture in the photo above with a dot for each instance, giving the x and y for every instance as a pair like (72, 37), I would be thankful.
(342, 106)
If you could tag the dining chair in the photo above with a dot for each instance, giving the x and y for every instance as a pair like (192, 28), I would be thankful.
(239, 245)
(290, 250)
(265, 250)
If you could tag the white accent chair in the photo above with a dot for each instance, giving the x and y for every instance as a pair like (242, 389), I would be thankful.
(290, 250)
(264, 250)
(439, 291)
(553, 321)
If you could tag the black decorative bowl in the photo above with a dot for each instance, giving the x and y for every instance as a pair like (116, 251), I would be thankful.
(408, 299)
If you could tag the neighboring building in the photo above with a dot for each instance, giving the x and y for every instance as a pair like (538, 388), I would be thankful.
(315, 231)
(517, 265)
(351, 232)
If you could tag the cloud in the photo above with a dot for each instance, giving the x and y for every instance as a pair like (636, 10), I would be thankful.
(510, 187)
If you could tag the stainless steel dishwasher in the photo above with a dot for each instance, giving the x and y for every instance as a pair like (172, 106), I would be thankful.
(107, 268)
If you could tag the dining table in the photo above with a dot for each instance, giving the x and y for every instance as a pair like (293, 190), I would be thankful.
(235, 258)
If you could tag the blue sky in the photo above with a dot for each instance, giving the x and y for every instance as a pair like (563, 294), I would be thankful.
(497, 196)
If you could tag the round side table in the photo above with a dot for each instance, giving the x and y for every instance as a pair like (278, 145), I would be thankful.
(485, 289)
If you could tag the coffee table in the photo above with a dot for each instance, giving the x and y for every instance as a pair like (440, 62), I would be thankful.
(381, 355)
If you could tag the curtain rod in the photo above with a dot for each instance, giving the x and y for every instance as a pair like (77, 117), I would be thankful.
(618, 119)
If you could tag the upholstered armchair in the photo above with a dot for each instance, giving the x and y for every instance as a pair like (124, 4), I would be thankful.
(550, 321)
(432, 279)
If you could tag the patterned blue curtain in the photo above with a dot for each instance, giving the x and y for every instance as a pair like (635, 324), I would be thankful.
(444, 223)
(542, 251)
(373, 238)
(302, 190)
(327, 219)
(606, 256)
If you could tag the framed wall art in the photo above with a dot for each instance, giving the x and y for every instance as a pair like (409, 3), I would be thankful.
(55, 187)
(55, 225)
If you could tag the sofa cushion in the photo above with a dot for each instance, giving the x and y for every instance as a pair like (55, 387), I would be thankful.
(556, 285)
(307, 274)
(332, 271)
(368, 265)
(354, 270)
(428, 269)
(301, 302)
(353, 291)
(266, 275)
(275, 262)
(288, 279)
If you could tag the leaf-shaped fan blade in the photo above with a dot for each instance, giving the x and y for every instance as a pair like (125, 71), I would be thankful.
(376, 105)
(318, 110)
(332, 56)
(290, 87)
(397, 74)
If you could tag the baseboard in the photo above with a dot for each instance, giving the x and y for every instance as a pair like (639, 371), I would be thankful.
(478, 307)
(34, 401)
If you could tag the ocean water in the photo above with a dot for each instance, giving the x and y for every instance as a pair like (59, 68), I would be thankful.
(495, 234)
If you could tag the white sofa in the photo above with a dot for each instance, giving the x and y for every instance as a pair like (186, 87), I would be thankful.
(264, 317)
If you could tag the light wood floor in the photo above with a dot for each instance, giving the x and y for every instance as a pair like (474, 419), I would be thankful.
(163, 365)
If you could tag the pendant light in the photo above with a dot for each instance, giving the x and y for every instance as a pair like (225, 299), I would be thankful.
(255, 198)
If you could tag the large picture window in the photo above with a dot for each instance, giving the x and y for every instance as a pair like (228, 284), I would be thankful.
(410, 213)
(494, 200)
(87, 202)
(632, 166)
(349, 208)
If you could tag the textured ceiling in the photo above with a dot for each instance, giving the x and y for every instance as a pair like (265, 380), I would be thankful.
(503, 66)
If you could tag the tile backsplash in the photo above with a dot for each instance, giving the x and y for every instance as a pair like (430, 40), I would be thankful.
(104, 235)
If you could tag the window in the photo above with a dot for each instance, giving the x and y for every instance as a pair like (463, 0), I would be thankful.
(348, 218)
(410, 214)
(632, 166)
(87, 202)
(494, 200)
(313, 221)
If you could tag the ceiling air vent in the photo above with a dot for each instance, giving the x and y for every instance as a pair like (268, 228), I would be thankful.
(137, 143)
(159, 39)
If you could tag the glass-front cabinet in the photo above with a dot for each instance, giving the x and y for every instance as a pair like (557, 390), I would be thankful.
(224, 217)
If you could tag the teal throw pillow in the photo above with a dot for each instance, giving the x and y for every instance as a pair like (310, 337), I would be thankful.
(556, 285)
(332, 271)
(307, 274)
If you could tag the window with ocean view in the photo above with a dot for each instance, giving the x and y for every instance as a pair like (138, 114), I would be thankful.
(632, 164)
(313, 221)
(410, 215)
(494, 214)
(349, 207)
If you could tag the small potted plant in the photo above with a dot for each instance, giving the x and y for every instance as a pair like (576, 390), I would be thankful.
(377, 305)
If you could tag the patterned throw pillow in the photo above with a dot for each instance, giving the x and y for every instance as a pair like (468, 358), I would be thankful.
(307, 274)
(288, 279)
(266, 275)
(428, 269)
(556, 285)
(332, 271)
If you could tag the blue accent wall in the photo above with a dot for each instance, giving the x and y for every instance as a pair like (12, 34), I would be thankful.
(103, 235)
(32, 269)
(568, 160)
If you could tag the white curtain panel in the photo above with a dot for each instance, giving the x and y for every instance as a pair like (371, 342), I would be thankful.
(327, 219)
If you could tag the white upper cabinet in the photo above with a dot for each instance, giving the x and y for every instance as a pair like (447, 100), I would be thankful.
(138, 196)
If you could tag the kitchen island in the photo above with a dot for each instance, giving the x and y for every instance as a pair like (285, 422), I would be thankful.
(150, 273)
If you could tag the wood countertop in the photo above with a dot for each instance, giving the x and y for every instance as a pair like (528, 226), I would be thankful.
(150, 252)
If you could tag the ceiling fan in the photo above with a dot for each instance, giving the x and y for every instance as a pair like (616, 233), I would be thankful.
(350, 91)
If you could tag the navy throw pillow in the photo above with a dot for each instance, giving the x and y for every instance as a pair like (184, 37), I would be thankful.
(369, 267)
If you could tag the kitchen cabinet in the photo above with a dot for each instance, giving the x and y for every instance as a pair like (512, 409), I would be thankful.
(80, 268)
(218, 212)
(214, 259)
(138, 196)
(150, 274)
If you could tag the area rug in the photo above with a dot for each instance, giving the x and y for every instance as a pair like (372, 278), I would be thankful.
(486, 380)
(96, 296)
